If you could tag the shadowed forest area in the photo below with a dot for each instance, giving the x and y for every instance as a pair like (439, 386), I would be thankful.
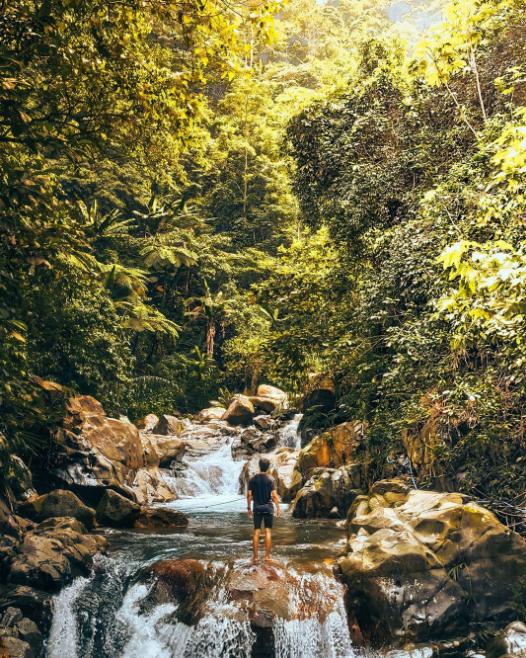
(199, 197)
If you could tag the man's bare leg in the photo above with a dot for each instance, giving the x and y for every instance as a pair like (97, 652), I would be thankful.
(255, 546)
(268, 543)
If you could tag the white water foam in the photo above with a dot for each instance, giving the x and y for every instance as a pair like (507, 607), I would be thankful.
(327, 635)
(288, 436)
(145, 640)
(63, 638)
(157, 635)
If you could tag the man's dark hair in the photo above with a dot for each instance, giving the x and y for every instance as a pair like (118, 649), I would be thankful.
(264, 464)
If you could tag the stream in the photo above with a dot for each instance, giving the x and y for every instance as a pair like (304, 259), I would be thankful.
(110, 614)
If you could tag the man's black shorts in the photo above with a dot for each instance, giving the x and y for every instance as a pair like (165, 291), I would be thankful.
(266, 519)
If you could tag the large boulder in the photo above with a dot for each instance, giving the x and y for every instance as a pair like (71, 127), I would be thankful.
(423, 565)
(169, 426)
(92, 450)
(167, 449)
(20, 636)
(57, 503)
(54, 553)
(329, 492)
(117, 511)
(210, 414)
(336, 447)
(19, 479)
(509, 642)
(240, 411)
(263, 594)
(151, 486)
(160, 517)
(148, 423)
(269, 399)
(251, 441)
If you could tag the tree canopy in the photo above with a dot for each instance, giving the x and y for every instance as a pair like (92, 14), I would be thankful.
(196, 197)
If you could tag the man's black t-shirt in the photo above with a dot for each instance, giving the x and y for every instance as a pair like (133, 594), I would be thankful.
(262, 486)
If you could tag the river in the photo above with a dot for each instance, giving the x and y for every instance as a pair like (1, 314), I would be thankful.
(110, 615)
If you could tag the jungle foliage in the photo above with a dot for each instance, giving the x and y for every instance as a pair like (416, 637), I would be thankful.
(202, 196)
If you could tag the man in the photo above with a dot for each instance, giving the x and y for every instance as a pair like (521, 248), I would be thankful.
(261, 498)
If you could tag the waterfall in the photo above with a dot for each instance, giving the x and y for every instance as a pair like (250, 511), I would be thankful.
(63, 638)
(288, 436)
(119, 612)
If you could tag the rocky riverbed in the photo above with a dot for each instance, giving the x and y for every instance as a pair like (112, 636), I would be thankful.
(137, 545)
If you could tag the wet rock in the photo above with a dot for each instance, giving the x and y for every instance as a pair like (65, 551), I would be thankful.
(265, 405)
(424, 565)
(272, 392)
(509, 642)
(169, 426)
(252, 441)
(264, 423)
(240, 411)
(337, 447)
(210, 414)
(181, 576)
(55, 504)
(147, 423)
(15, 648)
(329, 493)
(269, 399)
(52, 554)
(19, 479)
(34, 604)
(14, 625)
(167, 449)
(183, 581)
(9, 524)
(160, 517)
(116, 511)
(263, 593)
(149, 450)
(92, 450)
(150, 486)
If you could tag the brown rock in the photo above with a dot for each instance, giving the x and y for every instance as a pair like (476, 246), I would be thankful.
(161, 517)
(150, 486)
(169, 426)
(52, 554)
(13, 647)
(57, 503)
(93, 450)
(34, 604)
(116, 511)
(212, 413)
(329, 493)
(240, 411)
(337, 447)
(168, 448)
(425, 564)
(265, 405)
(267, 391)
(20, 479)
(147, 423)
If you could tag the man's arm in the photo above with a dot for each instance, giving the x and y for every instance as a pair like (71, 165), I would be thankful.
(249, 502)
(276, 500)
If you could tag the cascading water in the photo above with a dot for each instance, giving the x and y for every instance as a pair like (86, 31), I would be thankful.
(114, 613)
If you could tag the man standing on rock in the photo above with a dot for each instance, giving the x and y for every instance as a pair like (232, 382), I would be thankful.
(261, 498)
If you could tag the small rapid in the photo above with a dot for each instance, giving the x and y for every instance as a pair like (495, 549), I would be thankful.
(294, 609)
